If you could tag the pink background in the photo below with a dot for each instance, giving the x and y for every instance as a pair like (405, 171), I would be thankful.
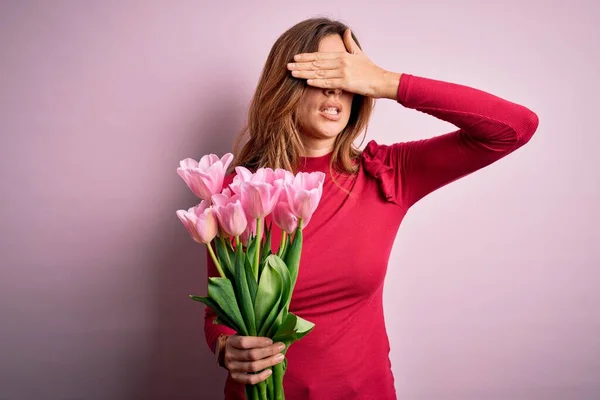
(493, 287)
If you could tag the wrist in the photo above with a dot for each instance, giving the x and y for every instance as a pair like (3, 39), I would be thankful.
(389, 85)
(220, 349)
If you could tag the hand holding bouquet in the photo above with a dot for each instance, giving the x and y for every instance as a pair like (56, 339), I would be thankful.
(255, 285)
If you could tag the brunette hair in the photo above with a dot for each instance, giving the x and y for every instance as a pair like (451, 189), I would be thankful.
(271, 137)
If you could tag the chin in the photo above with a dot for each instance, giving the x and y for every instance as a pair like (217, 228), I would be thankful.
(324, 131)
(330, 131)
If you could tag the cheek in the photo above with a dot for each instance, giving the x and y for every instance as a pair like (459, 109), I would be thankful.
(347, 100)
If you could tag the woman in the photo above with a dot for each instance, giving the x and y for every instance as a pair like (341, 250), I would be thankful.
(313, 100)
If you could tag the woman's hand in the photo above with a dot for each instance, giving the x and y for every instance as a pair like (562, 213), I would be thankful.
(351, 71)
(246, 354)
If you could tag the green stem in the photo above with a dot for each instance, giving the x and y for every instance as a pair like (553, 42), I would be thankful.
(237, 242)
(270, 387)
(258, 243)
(278, 381)
(214, 258)
(226, 252)
(262, 390)
(282, 244)
(251, 392)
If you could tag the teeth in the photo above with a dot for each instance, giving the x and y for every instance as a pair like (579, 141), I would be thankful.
(331, 110)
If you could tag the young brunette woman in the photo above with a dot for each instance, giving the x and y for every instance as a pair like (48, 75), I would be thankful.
(312, 102)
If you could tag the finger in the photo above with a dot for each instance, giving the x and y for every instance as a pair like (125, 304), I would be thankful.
(248, 342)
(254, 366)
(329, 55)
(314, 65)
(259, 353)
(330, 83)
(349, 42)
(251, 379)
(319, 74)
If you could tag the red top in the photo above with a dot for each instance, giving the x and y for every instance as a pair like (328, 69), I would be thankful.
(349, 238)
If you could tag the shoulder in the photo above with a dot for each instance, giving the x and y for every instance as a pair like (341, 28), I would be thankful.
(378, 150)
(377, 157)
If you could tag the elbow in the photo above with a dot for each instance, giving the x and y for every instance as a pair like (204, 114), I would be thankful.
(527, 126)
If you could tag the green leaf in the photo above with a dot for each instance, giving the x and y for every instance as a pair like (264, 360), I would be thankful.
(270, 288)
(292, 261)
(279, 311)
(281, 315)
(222, 317)
(224, 258)
(268, 325)
(284, 303)
(280, 266)
(251, 250)
(243, 292)
(292, 256)
(281, 252)
(293, 328)
(221, 291)
(266, 248)
(252, 284)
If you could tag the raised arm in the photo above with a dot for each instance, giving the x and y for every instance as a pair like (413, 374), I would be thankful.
(489, 129)
(489, 126)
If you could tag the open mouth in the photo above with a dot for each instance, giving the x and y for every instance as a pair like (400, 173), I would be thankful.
(331, 110)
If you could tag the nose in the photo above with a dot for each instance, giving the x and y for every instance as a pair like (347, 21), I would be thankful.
(332, 91)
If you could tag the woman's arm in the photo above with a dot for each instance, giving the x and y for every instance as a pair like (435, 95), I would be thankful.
(489, 129)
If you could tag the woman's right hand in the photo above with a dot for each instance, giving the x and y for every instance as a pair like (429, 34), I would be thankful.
(247, 354)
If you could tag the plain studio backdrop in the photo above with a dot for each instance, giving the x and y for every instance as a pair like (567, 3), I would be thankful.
(492, 290)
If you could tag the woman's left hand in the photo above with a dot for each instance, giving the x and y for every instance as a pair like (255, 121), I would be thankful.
(351, 71)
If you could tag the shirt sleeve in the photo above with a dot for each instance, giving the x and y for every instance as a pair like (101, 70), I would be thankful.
(489, 128)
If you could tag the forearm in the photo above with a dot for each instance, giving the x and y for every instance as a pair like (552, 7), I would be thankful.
(482, 115)
(212, 331)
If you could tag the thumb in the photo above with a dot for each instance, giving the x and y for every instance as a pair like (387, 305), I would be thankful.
(350, 44)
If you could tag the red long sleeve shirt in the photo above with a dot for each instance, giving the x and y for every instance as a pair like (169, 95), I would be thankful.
(348, 241)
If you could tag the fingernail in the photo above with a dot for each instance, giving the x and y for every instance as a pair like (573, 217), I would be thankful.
(269, 342)
(281, 347)
(269, 372)
(279, 357)
(291, 65)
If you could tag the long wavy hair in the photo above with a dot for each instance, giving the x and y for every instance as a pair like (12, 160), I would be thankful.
(271, 136)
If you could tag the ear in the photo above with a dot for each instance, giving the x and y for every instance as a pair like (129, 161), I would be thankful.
(349, 42)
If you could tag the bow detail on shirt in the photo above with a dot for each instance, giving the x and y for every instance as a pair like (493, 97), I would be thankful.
(375, 164)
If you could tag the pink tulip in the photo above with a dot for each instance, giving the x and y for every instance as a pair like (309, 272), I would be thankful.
(259, 198)
(231, 216)
(304, 193)
(223, 198)
(250, 231)
(279, 174)
(242, 175)
(205, 178)
(284, 218)
(264, 175)
(200, 222)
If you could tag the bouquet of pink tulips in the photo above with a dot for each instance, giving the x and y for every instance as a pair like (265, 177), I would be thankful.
(255, 286)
